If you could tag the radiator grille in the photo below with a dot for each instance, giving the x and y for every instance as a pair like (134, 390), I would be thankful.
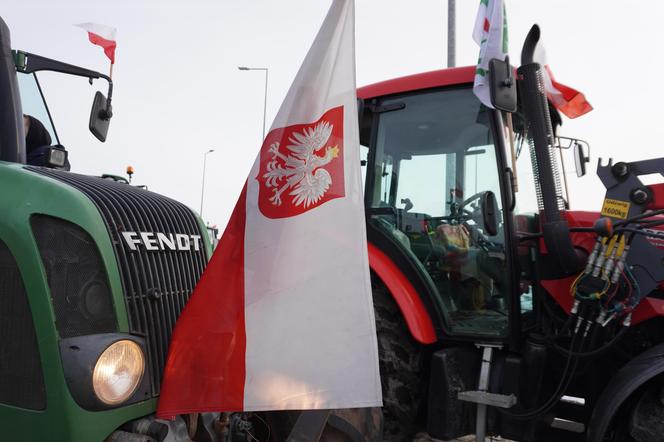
(21, 378)
(158, 283)
(80, 293)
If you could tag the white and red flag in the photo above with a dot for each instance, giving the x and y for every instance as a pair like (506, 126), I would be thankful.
(567, 100)
(101, 35)
(282, 317)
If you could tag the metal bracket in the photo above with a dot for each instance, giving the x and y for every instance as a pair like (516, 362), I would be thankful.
(482, 397)
(486, 398)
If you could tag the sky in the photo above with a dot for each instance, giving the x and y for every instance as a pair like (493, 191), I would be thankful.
(178, 92)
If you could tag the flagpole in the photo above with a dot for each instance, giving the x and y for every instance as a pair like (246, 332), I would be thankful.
(510, 129)
(451, 31)
(110, 72)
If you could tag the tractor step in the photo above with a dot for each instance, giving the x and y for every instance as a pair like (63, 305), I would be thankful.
(567, 425)
(486, 398)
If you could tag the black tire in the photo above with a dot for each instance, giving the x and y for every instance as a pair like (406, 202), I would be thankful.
(400, 359)
(344, 425)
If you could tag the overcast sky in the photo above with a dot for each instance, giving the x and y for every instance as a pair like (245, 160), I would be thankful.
(178, 91)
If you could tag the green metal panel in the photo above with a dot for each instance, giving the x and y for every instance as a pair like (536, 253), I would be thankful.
(22, 194)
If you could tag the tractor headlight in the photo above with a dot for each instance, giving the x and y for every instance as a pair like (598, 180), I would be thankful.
(118, 372)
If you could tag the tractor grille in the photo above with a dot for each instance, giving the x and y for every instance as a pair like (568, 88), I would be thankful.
(157, 283)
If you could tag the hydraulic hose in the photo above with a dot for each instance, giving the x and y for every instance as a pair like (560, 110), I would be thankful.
(565, 379)
(592, 353)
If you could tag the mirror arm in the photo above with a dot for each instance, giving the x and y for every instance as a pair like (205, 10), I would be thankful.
(108, 112)
(28, 63)
(509, 81)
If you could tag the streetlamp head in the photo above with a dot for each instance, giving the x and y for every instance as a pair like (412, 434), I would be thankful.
(210, 151)
(243, 68)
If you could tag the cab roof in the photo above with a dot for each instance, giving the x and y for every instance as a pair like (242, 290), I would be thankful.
(425, 80)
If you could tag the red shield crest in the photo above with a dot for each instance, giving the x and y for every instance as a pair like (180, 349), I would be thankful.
(302, 166)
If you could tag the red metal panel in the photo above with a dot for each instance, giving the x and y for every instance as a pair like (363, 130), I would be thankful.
(657, 196)
(426, 80)
(405, 295)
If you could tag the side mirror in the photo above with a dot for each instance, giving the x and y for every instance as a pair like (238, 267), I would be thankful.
(100, 116)
(502, 85)
(580, 159)
(489, 212)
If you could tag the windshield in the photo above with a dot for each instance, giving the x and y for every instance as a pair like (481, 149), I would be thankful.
(435, 163)
(33, 103)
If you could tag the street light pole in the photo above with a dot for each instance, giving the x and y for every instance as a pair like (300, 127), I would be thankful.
(244, 68)
(203, 181)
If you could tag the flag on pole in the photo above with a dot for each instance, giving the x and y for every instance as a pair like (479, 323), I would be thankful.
(282, 317)
(490, 32)
(567, 100)
(101, 35)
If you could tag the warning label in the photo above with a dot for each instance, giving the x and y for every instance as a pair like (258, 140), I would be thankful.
(615, 208)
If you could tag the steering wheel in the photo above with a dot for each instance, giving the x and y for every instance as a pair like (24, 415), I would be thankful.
(461, 207)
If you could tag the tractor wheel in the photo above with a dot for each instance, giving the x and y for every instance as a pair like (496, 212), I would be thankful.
(345, 425)
(641, 417)
(400, 359)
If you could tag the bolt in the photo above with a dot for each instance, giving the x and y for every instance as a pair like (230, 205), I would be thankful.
(639, 196)
(153, 294)
(620, 170)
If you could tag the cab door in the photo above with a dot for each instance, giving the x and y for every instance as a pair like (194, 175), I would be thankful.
(432, 162)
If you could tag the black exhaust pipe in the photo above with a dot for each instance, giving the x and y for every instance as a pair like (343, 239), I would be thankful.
(562, 254)
(12, 137)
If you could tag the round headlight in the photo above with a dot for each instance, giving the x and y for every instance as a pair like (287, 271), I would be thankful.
(118, 372)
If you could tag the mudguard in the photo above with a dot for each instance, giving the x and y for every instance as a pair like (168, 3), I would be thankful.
(628, 379)
(409, 302)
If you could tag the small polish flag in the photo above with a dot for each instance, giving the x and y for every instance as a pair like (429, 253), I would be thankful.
(282, 318)
(101, 35)
(566, 99)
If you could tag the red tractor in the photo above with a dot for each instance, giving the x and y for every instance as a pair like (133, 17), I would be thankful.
(501, 311)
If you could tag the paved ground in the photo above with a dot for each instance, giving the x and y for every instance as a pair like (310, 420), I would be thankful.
(423, 437)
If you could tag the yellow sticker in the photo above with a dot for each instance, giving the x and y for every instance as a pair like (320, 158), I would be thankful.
(615, 208)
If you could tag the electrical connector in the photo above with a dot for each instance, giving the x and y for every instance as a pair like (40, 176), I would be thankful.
(593, 256)
(620, 265)
(599, 263)
(601, 316)
(575, 307)
(609, 319)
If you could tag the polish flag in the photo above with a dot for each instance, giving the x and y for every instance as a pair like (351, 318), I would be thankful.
(567, 100)
(103, 36)
(282, 317)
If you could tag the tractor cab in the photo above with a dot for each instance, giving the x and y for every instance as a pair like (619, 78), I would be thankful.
(443, 200)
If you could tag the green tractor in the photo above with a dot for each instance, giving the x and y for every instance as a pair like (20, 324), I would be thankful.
(93, 275)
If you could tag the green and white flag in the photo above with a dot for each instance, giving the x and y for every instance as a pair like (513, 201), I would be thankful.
(490, 33)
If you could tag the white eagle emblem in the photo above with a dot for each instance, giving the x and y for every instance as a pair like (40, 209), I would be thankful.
(303, 171)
